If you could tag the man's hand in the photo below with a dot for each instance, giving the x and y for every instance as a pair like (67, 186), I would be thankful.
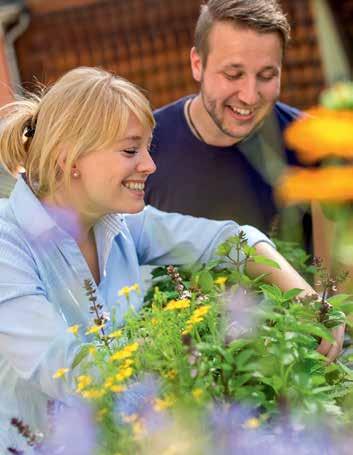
(332, 351)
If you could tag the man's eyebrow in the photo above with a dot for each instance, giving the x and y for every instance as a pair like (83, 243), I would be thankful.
(270, 67)
(239, 66)
(234, 65)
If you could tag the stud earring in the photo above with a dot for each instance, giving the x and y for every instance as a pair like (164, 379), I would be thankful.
(75, 173)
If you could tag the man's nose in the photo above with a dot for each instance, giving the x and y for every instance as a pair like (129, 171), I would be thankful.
(248, 92)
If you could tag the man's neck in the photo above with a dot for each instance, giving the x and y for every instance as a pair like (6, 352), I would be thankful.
(205, 127)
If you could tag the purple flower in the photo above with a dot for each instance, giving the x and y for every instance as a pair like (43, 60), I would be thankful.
(73, 432)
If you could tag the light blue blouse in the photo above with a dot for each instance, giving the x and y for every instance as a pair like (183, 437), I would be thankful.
(42, 272)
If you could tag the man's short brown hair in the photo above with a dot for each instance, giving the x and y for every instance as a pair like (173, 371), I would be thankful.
(263, 16)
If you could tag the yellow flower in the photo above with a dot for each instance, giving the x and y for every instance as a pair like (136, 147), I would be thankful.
(171, 374)
(117, 388)
(135, 287)
(82, 382)
(125, 353)
(127, 363)
(177, 304)
(328, 184)
(115, 334)
(252, 424)
(221, 280)
(161, 404)
(93, 394)
(73, 329)
(109, 382)
(94, 329)
(196, 317)
(324, 132)
(126, 290)
(197, 393)
(123, 374)
(60, 373)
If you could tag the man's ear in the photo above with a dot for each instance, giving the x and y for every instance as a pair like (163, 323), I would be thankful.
(196, 64)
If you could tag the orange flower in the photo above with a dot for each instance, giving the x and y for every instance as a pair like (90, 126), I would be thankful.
(322, 133)
(329, 184)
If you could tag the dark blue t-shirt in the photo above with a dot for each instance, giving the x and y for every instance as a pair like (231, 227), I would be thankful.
(233, 182)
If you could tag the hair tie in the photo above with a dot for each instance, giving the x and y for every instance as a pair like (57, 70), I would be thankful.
(30, 131)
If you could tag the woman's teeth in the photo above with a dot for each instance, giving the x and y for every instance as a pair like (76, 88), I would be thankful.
(134, 186)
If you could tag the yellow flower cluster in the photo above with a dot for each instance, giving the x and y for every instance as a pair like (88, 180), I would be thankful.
(177, 304)
(196, 317)
(93, 394)
(126, 290)
(82, 382)
(125, 352)
(327, 184)
(322, 133)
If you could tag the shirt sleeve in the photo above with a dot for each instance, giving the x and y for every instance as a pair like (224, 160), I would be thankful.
(34, 341)
(171, 238)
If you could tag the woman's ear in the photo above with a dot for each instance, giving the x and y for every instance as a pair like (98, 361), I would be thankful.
(61, 162)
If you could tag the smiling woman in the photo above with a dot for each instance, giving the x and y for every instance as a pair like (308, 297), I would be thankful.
(84, 149)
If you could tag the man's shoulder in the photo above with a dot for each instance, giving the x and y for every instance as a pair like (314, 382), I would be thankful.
(171, 109)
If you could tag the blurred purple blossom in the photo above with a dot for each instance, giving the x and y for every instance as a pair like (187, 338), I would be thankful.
(239, 311)
(73, 432)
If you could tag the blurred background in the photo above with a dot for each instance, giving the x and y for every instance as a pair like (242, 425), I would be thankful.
(148, 42)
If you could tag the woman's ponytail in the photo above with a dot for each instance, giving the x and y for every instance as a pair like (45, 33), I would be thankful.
(17, 127)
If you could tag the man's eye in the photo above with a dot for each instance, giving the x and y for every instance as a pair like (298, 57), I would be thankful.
(232, 77)
(266, 77)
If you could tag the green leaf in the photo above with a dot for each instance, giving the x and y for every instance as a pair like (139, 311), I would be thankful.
(205, 281)
(265, 261)
(271, 291)
(292, 293)
(345, 369)
(337, 300)
(224, 249)
(319, 331)
(237, 345)
(82, 354)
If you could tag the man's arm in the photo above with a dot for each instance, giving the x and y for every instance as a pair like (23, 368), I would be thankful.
(286, 278)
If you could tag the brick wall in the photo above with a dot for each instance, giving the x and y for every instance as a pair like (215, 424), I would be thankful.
(148, 42)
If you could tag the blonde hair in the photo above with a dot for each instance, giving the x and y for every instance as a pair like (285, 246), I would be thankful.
(86, 109)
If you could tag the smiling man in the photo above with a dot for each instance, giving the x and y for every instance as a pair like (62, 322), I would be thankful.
(219, 152)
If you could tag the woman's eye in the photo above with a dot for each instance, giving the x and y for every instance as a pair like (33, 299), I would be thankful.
(130, 152)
